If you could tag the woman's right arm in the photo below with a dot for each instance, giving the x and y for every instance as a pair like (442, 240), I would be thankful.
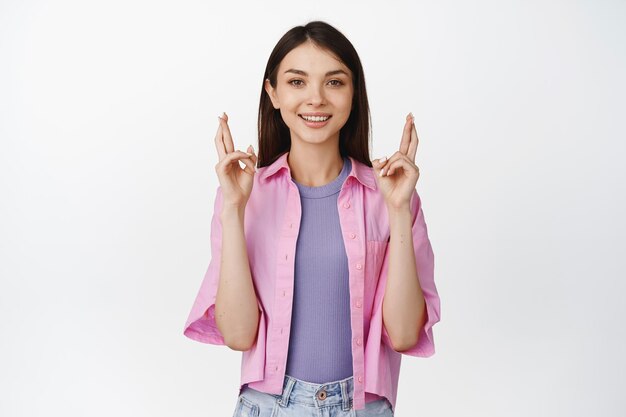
(236, 305)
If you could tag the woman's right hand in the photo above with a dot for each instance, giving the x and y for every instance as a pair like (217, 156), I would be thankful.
(236, 182)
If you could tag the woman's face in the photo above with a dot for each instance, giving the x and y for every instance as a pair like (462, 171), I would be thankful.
(312, 82)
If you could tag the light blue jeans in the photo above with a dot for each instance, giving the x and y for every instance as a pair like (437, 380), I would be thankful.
(305, 399)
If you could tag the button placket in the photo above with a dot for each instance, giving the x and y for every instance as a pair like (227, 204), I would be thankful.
(353, 223)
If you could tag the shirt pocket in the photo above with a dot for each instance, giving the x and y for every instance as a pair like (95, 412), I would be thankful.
(374, 256)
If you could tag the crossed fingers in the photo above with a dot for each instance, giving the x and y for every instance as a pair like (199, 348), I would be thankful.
(407, 150)
(223, 138)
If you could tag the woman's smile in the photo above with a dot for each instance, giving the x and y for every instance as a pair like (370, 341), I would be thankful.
(315, 120)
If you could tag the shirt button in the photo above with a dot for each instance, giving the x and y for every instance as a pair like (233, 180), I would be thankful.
(352, 235)
(346, 205)
(285, 256)
(360, 378)
(358, 303)
(276, 368)
(290, 225)
(358, 342)
(359, 266)
(284, 292)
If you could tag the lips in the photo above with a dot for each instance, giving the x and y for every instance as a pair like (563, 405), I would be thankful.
(315, 124)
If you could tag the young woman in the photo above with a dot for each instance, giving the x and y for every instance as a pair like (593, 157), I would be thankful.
(321, 270)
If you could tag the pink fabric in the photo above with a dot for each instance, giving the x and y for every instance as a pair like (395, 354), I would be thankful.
(272, 219)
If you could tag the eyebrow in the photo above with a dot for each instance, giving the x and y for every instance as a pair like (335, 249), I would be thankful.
(297, 71)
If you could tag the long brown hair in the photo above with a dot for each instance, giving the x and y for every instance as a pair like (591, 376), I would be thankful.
(354, 137)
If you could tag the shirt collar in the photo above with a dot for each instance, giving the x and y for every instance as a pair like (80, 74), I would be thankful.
(363, 173)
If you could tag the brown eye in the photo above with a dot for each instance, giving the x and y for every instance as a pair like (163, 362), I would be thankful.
(339, 82)
(295, 81)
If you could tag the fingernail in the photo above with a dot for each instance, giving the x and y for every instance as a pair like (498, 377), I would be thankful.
(411, 115)
(382, 172)
(383, 159)
(252, 147)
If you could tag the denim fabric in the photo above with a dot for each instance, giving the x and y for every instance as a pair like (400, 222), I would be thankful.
(305, 399)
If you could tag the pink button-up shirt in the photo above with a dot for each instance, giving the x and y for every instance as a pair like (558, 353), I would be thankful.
(271, 225)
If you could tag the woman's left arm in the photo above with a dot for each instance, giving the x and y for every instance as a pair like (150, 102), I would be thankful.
(404, 307)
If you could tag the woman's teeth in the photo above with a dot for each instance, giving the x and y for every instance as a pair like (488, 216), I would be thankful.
(315, 118)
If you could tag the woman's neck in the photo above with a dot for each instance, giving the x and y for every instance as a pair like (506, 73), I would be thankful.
(314, 169)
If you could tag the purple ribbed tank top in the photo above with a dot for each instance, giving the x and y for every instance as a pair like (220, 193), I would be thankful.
(320, 348)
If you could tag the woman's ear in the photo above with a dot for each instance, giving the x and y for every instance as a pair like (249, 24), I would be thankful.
(271, 92)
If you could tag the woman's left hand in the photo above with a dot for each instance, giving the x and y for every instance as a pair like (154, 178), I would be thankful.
(399, 172)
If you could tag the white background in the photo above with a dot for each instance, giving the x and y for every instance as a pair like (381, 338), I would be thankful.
(108, 110)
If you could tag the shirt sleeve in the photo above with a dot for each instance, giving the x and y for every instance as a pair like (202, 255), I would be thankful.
(424, 259)
(201, 325)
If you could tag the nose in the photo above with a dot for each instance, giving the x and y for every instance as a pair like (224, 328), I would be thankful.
(316, 95)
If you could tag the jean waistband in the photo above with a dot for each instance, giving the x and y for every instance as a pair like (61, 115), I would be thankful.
(318, 395)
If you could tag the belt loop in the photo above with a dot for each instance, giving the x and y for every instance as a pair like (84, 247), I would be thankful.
(284, 400)
(345, 400)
